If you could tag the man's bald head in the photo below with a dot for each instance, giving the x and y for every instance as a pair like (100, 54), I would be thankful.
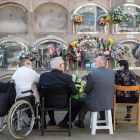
(100, 61)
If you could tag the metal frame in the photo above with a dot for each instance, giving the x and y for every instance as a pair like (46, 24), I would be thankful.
(128, 4)
(95, 4)
(43, 120)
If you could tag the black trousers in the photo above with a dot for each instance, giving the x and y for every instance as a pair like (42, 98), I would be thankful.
(76, 106)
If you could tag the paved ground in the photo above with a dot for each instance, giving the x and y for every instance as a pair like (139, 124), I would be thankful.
(123, 132)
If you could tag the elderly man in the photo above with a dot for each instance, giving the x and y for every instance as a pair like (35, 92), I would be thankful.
(57, 78)
(99, 90)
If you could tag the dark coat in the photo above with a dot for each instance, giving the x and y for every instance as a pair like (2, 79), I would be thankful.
(100, 90)
(56, 79)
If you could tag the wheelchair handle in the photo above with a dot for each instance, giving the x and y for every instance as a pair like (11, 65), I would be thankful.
(27, 91)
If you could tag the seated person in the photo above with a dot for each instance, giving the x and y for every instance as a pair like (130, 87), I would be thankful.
(125, 77)
(57, 78)
(99, 89)
(24, 77)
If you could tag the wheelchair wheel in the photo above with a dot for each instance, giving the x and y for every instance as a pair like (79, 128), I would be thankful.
(21, 119)
(3, 123)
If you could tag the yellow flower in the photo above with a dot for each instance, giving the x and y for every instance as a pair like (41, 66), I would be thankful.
(74, 43)
(66, 47)
(80, 90)
(110, 40)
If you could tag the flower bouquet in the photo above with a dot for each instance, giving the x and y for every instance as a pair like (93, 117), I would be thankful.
(137, 53)
(129, 18)
(77, 19)
(105, 47)
(79, 84)
(73, 52)
(120, 51)
(61, 51)
(103, 21)
(116, 16)
(32, 53)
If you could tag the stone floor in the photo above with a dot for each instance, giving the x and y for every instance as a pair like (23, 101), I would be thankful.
(123, 132)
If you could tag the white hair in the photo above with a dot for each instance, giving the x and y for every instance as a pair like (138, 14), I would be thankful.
(55, 62)
(103, 60)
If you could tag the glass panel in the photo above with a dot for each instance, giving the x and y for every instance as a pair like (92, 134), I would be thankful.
(88, 16)
(10, 50)
(130, 24)
(133, 62)
(48, 51)
(100, 13)
(88, 52)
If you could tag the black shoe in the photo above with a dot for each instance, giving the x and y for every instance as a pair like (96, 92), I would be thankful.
(79, 124)
(127, 117)
(63, 125)
(52, 122)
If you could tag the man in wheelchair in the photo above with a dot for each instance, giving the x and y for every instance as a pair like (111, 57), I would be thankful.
(58, 79)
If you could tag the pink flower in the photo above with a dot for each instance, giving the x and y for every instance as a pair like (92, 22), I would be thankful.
(122, 47)
(32, 46)
(36, 51)
(38, 54)
(31, 54)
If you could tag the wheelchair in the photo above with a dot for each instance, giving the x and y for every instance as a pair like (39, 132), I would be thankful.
(7, 99)
(22, 115)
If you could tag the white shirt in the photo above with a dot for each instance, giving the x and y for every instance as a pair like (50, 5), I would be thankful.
(24, 77)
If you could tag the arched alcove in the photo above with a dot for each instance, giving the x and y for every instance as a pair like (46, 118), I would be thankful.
(51, 17)
(9, 50)
(91, 13)
(13, 18)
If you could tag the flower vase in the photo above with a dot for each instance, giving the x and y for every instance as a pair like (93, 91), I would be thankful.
(67, 65)
(115, 28)
(105, 29)
(76, 65)
(139, 27)
(102, 29)
(76, 29)
(72, 64)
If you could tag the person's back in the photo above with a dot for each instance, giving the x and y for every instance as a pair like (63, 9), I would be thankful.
(24, 77)
(101, 95)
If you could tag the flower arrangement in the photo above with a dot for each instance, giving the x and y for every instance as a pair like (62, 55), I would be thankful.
(137, 53)
(77, 19)
(61, 51)
(79, 84)
(120, 51)
(116, 16)
(105, 46)
(32, 53)
(129, 18)
(73, 52)
(103, 21)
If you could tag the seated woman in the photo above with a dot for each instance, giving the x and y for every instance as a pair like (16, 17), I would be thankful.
(24, 77)
(125, 77)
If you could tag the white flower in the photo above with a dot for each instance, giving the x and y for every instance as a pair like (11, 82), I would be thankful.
(106, 52)
(23, 56)
(73, 77)
(78, 80)
(83, 83)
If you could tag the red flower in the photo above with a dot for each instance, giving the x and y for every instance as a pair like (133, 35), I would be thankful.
(71, 47)
(103, 49)
(100, 54)
(107, 49)
(78, 51)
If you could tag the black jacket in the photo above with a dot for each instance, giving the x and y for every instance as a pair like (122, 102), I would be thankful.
(56, 78)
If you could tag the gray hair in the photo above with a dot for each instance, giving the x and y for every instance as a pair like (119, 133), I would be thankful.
(102, 59)
(55, 62)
